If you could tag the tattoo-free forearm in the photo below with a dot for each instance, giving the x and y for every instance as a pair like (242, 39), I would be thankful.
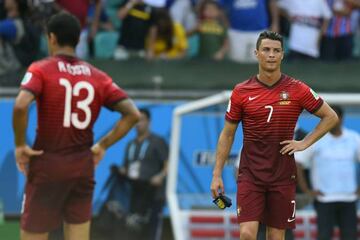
(222, 152)
(325, 124)
(121, 128)
(20, 120)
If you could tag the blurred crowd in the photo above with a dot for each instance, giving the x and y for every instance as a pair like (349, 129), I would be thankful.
(327, 30)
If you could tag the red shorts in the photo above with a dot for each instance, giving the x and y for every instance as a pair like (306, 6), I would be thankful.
(272, 205)
(47, 204)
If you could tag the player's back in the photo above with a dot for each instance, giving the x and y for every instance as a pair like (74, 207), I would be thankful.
(69, 94)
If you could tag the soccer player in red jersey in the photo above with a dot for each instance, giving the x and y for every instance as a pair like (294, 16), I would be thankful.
(268, 105)
(59, 168)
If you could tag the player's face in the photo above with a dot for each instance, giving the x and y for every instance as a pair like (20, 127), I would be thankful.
(269, 55)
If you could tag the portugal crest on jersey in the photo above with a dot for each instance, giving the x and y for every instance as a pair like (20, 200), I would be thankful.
(284, 98)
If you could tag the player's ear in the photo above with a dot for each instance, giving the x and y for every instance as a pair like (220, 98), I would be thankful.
(52, 38)
(256, 52)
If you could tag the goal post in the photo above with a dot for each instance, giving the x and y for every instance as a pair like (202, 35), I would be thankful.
(177, 213)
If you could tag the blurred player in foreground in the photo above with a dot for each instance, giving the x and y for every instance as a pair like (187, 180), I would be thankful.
(268, 105)
(60, 167)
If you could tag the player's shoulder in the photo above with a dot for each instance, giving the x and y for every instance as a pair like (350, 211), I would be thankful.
(291, 80)
(245, 85)
(41, 64)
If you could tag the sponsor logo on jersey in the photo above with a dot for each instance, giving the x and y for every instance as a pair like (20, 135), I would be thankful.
(284, 98)
(316, 96)
(252, 98)
(26, 79)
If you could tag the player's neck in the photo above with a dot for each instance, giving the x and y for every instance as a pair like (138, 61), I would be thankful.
(67, 51)
(269, 78)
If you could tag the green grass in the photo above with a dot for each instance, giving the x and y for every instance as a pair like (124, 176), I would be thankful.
(10, 230)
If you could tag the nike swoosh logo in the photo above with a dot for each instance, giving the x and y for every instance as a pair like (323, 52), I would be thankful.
(252, 98)
(291, 220)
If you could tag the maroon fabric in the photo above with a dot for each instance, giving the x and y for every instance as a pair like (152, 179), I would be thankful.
(271, 205)
(269, 116)
(46, 205)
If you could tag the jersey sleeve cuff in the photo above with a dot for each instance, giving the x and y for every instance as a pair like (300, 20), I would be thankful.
(318, 105)
(29, 90)
(231, 120)
(110, 106)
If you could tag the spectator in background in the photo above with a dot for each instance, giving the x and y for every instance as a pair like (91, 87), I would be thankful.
(19, 41)
(248, 18)
(104, 24)
(80, 8)
(337, 43)
(145, 165)
(182, 11)
(309, 21)
(332, 163)
(212, 30)
(166, 39)
(136, 17)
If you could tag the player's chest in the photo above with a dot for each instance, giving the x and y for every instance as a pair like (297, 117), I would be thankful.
(276, 103)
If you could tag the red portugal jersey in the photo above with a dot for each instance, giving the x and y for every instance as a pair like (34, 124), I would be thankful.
(69, 94)
(269, 116)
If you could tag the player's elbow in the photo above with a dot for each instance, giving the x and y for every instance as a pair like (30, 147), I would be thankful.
(134, 116)
(20, 107)
(333, 118)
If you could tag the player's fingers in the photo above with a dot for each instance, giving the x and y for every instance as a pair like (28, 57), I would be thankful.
(32, 152)
(222, 189)
(286, 149)
(285, 142)
(21, 167)
(214, 193)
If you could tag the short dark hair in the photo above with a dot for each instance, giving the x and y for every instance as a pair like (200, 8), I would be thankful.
(339, 111)
(146, 112)
(66, 28)
(269, 35)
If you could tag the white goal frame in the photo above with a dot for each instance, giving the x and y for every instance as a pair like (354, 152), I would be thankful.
(176, 214)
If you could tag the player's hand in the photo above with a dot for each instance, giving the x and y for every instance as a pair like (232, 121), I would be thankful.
(23, 155)
(216, 185)
(98, 153)
(291, 146)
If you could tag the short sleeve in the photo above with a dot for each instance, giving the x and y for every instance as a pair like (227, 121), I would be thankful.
(113, 93)
(32, 80)
(309, 99)
(234, 110)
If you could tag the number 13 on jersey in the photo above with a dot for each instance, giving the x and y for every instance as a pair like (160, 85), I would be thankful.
(71, 118)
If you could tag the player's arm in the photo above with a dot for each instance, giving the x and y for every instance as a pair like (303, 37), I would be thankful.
(225, 142)
(23, 152)
(328, 120)
(130, 116)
